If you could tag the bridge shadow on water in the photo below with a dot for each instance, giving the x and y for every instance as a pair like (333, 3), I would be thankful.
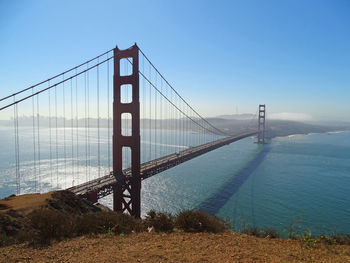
(213, 204)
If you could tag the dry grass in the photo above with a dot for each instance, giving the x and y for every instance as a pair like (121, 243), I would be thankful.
(54, 216)
(176, 247)
(24, 203)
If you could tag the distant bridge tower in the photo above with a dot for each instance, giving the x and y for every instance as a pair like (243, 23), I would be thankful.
(261, 120)
(127, 191)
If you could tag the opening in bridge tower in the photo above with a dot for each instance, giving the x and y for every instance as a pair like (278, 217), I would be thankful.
(126, 193)
(261, 120)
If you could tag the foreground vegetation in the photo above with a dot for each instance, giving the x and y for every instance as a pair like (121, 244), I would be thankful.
(64, 216)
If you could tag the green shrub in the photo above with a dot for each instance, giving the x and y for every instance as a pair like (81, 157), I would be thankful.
(264, 233)
(50, 224)
(269, 233)
(253, 231)
(309, 240)
(327, 240)
(107, 222)
(341, 239)
(199, 221)
(161, 222)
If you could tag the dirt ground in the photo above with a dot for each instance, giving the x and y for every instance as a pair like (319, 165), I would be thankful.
(176, 247)
(153, 247)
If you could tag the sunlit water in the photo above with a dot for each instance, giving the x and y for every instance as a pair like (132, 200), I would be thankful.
(301, 180)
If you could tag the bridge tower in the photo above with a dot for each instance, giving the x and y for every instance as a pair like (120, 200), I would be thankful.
(261, 120)
(127, 191)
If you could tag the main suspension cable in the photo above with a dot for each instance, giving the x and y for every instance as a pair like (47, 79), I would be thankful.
(220, 131)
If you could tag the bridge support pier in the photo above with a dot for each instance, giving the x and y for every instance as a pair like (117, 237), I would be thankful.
(126, 194)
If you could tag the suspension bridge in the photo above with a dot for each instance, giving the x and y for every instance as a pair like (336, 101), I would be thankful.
(102, 127)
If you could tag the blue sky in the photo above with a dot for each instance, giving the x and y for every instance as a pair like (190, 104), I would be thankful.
(292, 55)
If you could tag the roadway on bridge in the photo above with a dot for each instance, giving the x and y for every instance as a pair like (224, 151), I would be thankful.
(104, 185)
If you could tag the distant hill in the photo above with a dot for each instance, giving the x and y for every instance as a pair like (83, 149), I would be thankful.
(231, 124)
(244, 116)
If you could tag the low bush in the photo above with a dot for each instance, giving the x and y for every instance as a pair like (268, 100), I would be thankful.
(161, 222)
(199, 221)
(51, 224)
(264, 233)
(104, 222)
(253, 231)
(270, 233)
(341, 239)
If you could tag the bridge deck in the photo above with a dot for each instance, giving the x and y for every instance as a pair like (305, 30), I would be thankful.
(104, 185)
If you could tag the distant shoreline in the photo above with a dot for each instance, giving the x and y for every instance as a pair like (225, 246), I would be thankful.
(310, 133)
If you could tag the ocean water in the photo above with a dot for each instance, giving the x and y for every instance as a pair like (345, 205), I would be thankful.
(297, 183)
(300, 181)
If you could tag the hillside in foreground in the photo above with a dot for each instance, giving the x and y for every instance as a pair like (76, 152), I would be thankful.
(176, 247)
(25, 216)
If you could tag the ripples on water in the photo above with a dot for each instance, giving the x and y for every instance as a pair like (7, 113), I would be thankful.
(302, 180)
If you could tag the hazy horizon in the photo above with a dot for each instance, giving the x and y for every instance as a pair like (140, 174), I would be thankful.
(222, 58)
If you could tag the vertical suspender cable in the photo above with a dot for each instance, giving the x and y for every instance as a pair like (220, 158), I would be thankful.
(64, 135)
(161, 114)
(86, 135)
(34, 143)
(18, 165)
(38, 123)
(56, 137)
(77, 126)
(143, 110)
(98, 121)
(15, 125)
(150, 114)
(108, 121)
(183, 125)
(71, 122)
(155, 120)
(88, 122)
(50, 135)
